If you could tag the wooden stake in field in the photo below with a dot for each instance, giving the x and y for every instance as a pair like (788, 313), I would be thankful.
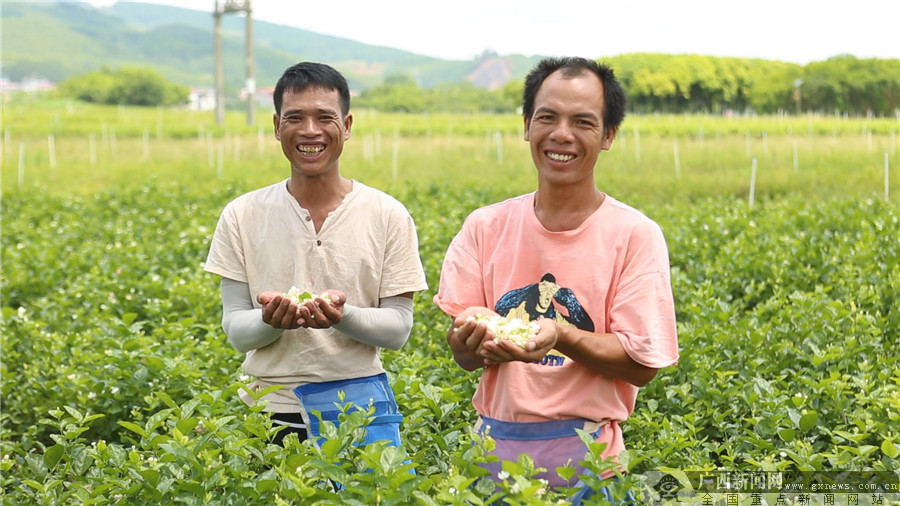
(752, 181)
(796, 158)
(220, 166)
(887, 179)
(93, 150)
(210, 154)
(51, 146)
(159, 122)
(637, 145)
(21, 163)
(394, 154)
(677, 159)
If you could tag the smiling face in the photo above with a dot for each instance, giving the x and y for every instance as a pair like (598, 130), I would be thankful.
(566, 131)
(312, 131)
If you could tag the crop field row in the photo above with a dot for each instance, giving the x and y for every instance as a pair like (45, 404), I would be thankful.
(118, 385)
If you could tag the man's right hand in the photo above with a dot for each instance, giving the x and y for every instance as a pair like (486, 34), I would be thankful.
(278, 311)
(467, 338)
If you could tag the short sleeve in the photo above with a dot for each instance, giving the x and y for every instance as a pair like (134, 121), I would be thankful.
(461, 282)
(226, 253)
(642, 314)
(403, 271)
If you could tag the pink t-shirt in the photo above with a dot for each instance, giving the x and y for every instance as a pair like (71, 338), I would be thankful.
(610, 275)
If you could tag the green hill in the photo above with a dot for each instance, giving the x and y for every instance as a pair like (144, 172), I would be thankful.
(56, 40)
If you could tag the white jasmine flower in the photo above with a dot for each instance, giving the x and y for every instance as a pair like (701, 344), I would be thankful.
(302, 297)
(515, 330)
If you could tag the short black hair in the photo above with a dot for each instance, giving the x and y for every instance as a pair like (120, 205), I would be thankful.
(571, 66)
(310, 74)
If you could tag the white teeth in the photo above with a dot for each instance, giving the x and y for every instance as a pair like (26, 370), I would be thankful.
(560, 158)
(310, 150)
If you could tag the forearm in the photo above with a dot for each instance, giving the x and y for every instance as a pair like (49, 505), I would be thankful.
(387, 326)
(602, 353)
(242, 323)
(246, 331)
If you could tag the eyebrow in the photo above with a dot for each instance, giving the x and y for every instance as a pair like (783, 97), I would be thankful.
(580, 115)
(289, 112)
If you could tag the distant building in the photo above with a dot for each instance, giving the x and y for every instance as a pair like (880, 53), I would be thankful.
(202, 99)
(263, 96)
(32, 84)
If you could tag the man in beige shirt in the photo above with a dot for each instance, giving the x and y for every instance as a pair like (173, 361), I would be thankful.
(320, 232)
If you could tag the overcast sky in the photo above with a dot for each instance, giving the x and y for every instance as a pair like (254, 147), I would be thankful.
(796, 31)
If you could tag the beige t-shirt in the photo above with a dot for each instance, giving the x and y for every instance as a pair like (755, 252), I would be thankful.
(367, 248)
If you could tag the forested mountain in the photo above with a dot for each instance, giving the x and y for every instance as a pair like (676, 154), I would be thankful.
(56, 40)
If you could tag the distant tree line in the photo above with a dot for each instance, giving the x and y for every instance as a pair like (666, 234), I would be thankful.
(654, 83)
(687, 83)
(126, 86)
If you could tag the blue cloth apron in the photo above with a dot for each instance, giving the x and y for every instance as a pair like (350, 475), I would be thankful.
(363, 392)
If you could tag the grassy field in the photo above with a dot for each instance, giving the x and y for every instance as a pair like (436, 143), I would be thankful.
(118, 385)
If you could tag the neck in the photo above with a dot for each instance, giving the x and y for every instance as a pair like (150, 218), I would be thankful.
(560, 209)
(319, 194)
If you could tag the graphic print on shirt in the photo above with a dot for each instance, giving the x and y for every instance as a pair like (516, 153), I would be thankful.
(548, 300)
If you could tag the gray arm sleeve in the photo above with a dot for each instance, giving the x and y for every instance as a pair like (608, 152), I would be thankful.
(242, 322)
(386, 326)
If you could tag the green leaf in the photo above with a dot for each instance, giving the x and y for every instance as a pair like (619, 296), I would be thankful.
(566, 472)
(128, 318)
(133, 427)
(263, 486)
(35, 485)
(53, 455)
(787, 435)
(74, 412)
(164, 397)
(808, 421)
(150, 475)
(187, 425)
(889, 449)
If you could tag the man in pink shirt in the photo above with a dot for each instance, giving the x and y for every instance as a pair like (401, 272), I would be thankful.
(592, 271)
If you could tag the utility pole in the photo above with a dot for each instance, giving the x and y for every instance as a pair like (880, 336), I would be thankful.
(223, 7)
